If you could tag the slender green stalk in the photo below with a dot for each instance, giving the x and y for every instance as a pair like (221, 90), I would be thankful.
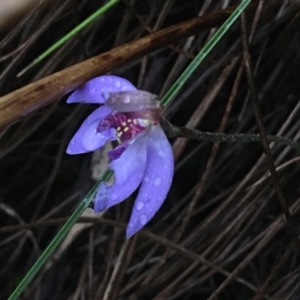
(74, 31)
(203, 53)
(58, 238)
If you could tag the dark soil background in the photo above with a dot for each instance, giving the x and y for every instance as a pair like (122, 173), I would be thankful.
(221, 233)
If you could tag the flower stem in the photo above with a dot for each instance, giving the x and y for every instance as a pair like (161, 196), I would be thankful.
(59, 237)
(203, 53)
(175, 131)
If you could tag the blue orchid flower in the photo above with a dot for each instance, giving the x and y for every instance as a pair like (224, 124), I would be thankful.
(143, 156)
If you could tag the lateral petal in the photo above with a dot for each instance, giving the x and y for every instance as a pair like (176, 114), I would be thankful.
(156, 181)
(92, 91)
(87, 138)
(128, 170)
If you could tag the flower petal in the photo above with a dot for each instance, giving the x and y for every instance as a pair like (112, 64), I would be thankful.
(128, 170)
(91, 91)
(156, 182)
(118, 151)
(87, 138)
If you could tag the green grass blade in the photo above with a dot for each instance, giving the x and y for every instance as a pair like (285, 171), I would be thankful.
(58, 238)
(203, 53)
(74, 31)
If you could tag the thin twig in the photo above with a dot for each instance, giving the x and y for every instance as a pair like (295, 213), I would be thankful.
(189, 133)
